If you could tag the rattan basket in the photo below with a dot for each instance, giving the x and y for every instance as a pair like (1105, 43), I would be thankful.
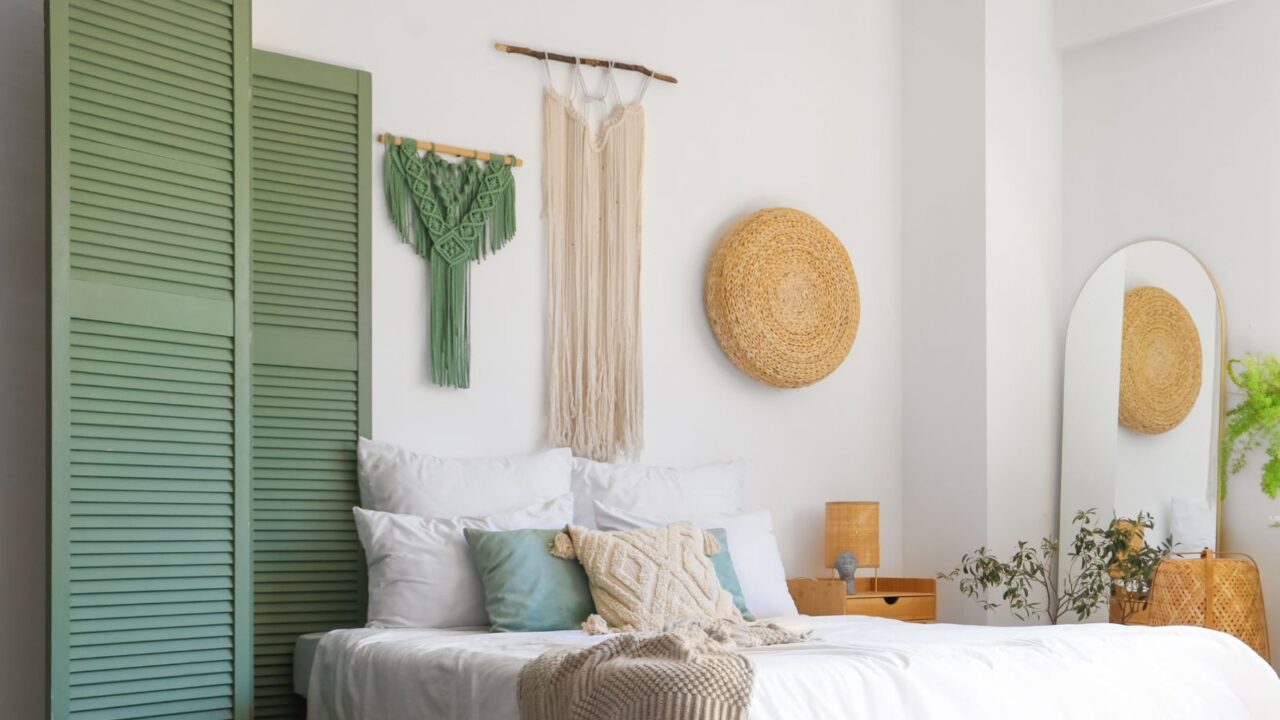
(1217, 592)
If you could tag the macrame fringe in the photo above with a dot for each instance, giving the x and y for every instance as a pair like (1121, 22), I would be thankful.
(428, 196)
(450, 329)
(592, 204)
(502, 223)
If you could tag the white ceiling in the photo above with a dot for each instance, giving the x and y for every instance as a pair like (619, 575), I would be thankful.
(1080, 22)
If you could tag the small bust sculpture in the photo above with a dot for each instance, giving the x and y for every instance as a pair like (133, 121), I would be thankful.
(846, 566)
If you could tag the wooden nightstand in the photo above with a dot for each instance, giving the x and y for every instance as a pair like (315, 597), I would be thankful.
(911, 599)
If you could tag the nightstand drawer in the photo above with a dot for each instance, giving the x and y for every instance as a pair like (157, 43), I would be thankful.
(911, 607)
(910, 599)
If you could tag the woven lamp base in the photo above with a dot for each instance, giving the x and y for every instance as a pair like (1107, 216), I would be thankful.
(1214, 592)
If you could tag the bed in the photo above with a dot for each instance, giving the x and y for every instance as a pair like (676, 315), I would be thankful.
(854, 668)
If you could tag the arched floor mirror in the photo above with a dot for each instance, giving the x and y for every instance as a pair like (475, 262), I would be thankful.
(1143, 395)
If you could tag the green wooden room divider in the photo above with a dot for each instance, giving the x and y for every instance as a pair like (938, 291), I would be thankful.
(208, 358)
(149, 322)
(311, 148)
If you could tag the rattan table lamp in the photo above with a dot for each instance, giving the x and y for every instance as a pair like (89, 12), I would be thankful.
(1215, 591)
(854, 528)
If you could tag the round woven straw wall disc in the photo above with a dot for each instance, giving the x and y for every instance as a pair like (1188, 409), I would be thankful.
(1160, 362)
(782, 298)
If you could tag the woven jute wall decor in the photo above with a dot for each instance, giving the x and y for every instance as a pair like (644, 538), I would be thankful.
(782, 298)
(1160, 362)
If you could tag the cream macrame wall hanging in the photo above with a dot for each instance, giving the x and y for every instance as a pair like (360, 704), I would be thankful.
(452, 214)
(592, 200)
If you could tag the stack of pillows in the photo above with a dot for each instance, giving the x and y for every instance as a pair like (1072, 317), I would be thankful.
(456, 543)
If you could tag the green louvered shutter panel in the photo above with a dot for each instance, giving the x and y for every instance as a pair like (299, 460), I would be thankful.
(311, 148)
(149, 359)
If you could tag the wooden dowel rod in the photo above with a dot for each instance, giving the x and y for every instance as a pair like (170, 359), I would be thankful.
(541, 54)
(449, 149)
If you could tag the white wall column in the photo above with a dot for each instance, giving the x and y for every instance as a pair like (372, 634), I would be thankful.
(982, 282)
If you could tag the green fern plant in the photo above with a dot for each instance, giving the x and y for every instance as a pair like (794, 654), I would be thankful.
(1254, 422)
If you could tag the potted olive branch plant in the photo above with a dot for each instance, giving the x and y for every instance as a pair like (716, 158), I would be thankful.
(1253, 422)
(1100, 562)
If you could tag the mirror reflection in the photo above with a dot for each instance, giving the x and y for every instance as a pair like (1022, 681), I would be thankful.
(1142, 403)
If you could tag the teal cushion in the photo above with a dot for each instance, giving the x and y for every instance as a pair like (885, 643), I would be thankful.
(723, 564)
(526, 588)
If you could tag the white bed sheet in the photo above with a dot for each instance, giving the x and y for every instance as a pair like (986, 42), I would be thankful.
(856, 668)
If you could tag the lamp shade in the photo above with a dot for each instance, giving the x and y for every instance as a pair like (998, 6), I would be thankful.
(1212, 591)
(853, 527)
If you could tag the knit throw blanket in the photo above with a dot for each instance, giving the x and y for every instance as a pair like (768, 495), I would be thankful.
(691, 671)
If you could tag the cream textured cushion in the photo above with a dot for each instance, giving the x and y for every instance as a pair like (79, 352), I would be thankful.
(752, 545)
(644, 579)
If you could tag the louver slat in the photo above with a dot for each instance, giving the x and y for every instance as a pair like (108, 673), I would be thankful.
(149, 202)
(310, 269)
(162, 587)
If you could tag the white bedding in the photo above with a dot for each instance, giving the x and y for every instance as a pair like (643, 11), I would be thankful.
(856, 668)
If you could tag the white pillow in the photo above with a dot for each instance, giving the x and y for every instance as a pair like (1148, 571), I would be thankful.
(420, 569)
(396, 480)
(1194, 526)
(659, 491)
(752, 547)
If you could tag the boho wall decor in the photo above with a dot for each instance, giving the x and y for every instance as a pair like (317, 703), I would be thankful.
(452, 214)
(1160, 362)
(782, 298)
(592, 200)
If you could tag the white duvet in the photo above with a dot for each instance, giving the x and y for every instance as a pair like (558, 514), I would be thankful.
(855, 668)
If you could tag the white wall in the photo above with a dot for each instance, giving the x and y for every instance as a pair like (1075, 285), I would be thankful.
(22, 359)
(981, 283)
(1174, 132)
(944, 297)
(774, 107)
(1024, 337)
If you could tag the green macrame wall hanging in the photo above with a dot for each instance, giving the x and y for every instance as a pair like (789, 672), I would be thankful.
(452, 214)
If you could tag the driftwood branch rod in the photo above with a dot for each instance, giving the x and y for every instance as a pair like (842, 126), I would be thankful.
(594, 62)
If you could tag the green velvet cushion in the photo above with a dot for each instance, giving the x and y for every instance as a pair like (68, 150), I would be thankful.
(526, 588)
(723, 564)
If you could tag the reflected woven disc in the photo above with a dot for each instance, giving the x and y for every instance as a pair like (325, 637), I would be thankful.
(782, 298)
(1160, 362)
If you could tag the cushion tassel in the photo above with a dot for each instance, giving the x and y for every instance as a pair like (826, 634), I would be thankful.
(562, 547)
(595, 625)
(710, 546)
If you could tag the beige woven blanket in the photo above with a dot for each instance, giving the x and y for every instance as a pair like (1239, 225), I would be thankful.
(691, 671)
